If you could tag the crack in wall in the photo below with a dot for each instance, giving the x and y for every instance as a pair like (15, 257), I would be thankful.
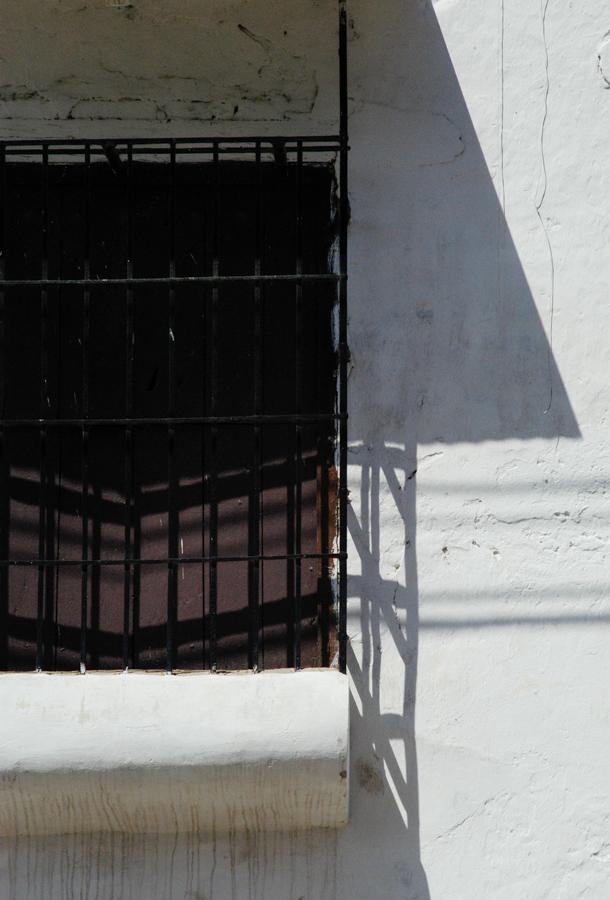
(600, 60)
(540, 202)
(480, 810)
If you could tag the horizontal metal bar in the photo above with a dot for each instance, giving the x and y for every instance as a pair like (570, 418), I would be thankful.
(164, 561)
(149, 150)
(178, 142)
(167, 280)
(261, 419)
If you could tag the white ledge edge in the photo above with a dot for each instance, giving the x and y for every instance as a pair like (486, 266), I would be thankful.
(147, 752)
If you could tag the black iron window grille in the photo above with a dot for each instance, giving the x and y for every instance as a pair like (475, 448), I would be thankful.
(173, 407)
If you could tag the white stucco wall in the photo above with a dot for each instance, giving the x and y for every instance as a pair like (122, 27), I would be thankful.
(480, 334)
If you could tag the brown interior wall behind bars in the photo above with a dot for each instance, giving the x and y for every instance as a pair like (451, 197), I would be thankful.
(213, 212)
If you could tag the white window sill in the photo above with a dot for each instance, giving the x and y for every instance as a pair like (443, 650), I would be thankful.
(155, 753)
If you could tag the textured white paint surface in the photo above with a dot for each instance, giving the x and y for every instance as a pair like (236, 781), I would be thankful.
(115, 65)
(144, 752)
(480, 191)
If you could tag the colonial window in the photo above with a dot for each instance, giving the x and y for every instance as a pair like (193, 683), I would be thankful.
(173, 495)
(169, 411)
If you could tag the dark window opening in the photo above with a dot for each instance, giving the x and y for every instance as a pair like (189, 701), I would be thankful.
(168, 418)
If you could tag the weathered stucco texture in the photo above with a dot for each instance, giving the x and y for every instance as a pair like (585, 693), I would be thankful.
(143, 753)
(110, 67)
(479, 394)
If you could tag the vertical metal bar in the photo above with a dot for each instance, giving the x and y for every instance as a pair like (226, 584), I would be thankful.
(172, 515)
(54, 513)
(325, 450)
(343, 346)
(129, 409)
(85, 415)
(4, 461)
(213, 464)
(204, 411)
(254, 505)
(298, 449)
(44, 404)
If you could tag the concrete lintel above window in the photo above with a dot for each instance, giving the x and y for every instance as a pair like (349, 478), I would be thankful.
(155, 753)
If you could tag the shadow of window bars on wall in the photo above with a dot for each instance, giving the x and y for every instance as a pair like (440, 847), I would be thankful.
(173, 409)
